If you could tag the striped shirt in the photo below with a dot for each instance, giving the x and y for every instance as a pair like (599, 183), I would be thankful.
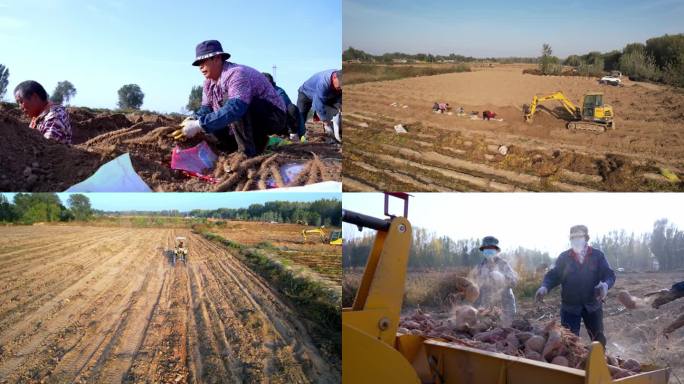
(54, 123)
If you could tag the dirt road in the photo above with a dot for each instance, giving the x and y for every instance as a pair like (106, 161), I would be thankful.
(450, 152)
(106, 305)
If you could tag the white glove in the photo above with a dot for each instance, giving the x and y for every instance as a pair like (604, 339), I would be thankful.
(603, 290)
(190, 127)
(541, 292)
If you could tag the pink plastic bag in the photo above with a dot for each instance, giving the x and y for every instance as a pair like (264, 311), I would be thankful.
(199, 159)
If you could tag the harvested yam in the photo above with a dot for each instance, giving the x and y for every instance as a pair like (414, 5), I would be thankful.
(618, 373)
(626, 299)
(535, 343)
(631, 365)
(524, 336)
(532, 355)
(553, 342)
(464, 317)
(560, 360)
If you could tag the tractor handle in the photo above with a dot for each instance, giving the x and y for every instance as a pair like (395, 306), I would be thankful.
(365, 221)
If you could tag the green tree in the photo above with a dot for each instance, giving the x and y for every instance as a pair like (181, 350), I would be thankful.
(63, 92)
(131, 96)
(38, 207)
(573, 61)
(195, 99)
(4, 80)
(8, 212)
(549, 64)
(639, 65)
(80, 207)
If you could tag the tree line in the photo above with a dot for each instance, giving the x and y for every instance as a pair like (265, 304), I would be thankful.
(660, 59)
(352, 54)
(320, 212)
(429, 250)
(662, 248)
(29, 208)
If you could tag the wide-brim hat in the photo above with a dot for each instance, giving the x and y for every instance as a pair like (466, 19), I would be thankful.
(490, 242)
(208, 49)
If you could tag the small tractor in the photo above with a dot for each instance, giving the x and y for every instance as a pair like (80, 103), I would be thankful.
(593, 116)
(180, 252)
(335, 238)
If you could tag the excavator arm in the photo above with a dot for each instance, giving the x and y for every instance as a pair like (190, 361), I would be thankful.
(559, 96)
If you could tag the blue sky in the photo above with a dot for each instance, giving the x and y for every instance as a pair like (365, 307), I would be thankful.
(537, 221)
(185, 201)
(101, 45)
(503, 28)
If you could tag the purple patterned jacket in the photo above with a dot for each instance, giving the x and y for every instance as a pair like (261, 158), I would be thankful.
(54, 123)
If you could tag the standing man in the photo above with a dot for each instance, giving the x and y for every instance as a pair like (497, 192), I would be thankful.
(323, 92)
(496, 280)
(51, 120)
(291, 109)
(585, 277)
(239, 105)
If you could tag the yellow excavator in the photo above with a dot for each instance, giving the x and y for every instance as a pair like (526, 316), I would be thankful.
(373, 351)
(593, 116)
(335, 237)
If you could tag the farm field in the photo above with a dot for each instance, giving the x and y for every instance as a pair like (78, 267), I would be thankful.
(447, 152)
(107, 305)
(286, 241)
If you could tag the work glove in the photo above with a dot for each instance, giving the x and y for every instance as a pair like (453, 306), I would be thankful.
(541, 292)
(601, 290)
(189, 128)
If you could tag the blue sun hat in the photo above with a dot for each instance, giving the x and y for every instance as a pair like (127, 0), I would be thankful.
(490, 242)
(207, 49)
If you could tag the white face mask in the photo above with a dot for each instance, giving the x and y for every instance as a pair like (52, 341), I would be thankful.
(578, 244)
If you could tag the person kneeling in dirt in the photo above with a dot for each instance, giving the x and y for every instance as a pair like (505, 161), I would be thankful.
(488, 115)
(291, 109)
(323, 92)
(585, 277)
(496, 279)
(239, 105)
(51, 120)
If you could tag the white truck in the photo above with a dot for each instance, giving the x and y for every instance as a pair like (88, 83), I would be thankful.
(614, 79)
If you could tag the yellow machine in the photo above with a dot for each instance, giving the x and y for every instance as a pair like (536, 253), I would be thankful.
(373, 351)
(593, 116)
(335, 237)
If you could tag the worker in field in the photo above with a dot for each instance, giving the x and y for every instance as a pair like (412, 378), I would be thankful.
(291, 109)
(50, 119)
(239, 106)
(495, 278)
(585, 277)
(323, 93)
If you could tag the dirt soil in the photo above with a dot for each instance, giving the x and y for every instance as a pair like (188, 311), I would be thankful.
(451, 152)
(106, 305)
(31, 163)
(286, 241)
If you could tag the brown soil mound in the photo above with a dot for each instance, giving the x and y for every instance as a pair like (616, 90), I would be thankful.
(32, 163)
